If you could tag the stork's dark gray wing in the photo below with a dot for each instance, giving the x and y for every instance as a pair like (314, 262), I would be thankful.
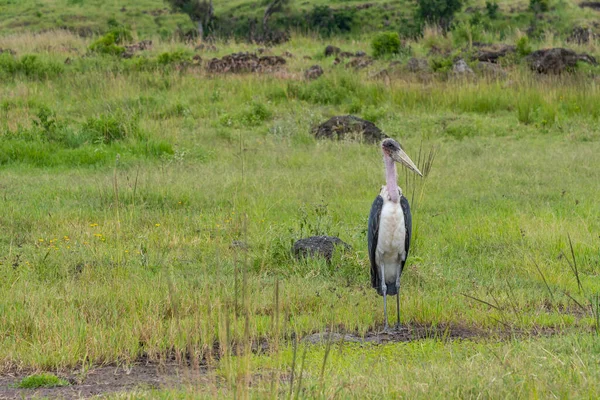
(408, 224)
(372, 237)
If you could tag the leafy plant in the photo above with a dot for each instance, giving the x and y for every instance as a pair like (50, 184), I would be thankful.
(491, 9)
(327, 21)
(523, 46)
(385, 44)
(174, 57)
(538, 6)
(441, 64)
(438, 12)
(112, 42)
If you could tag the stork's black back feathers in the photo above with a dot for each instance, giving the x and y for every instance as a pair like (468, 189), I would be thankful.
(373, 237)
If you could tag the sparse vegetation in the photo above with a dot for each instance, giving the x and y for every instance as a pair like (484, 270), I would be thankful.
(386, 44)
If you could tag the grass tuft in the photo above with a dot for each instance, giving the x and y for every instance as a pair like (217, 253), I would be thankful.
(42, 381)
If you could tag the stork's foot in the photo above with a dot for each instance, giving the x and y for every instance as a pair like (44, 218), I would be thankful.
(386, 330)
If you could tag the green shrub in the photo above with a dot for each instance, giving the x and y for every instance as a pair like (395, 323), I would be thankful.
(328, 21)
(539, 6)
(491, 9)
(523, 46)
(112, 42)
(441, 64)
(257, 113)
(174, 57)
(107, 45)
(385, 44)
(438, 12)
(121, 34)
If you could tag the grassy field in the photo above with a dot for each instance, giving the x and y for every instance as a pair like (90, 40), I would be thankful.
(149, 209)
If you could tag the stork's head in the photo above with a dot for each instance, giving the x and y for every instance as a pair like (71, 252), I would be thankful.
(393, 150)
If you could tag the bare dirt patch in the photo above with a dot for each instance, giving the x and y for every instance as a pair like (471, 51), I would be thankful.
(406, 333)
(414, 332)
(104, 380)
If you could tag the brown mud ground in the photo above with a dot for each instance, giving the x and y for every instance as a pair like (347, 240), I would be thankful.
(105, 380)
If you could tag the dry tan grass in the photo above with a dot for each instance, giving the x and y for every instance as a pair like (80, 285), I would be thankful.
(55, 41)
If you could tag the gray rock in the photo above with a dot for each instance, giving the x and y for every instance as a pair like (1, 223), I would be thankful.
(492, 55)
(318, 246)
(581, 35)
(417, 65)
(557, 60)
(460, 68)
(313, 72)
(349, 127)
(332, 50)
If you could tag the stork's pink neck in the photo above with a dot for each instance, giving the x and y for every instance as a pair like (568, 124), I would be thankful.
(391, 178)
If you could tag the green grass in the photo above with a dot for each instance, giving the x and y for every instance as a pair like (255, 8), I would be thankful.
(42, 381)
(153, 18)
(124, 191)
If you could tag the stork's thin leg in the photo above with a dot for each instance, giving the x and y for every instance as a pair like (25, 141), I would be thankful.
(398, 300)
(384, 291)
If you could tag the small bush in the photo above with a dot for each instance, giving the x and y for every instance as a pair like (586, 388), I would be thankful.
(257, 114)
(42, 381)
(107, 45)
(438, 12)
(385, 44)
(112, 42)
(491, 9)
(327, 21)
(523, 46)
(441, 64)
(174, 57)
(538, 6)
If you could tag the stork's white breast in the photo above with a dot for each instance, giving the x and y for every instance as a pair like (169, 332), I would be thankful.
(391, 241)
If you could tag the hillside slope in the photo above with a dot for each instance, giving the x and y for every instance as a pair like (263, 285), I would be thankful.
(154, 18)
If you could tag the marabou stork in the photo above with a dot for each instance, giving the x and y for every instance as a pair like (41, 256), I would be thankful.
(390, 228)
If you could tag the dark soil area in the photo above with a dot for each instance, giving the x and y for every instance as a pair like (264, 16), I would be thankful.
(412, 332)
(406, 333)
(103, 380)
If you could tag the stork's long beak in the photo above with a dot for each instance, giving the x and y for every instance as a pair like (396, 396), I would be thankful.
(401, 157)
